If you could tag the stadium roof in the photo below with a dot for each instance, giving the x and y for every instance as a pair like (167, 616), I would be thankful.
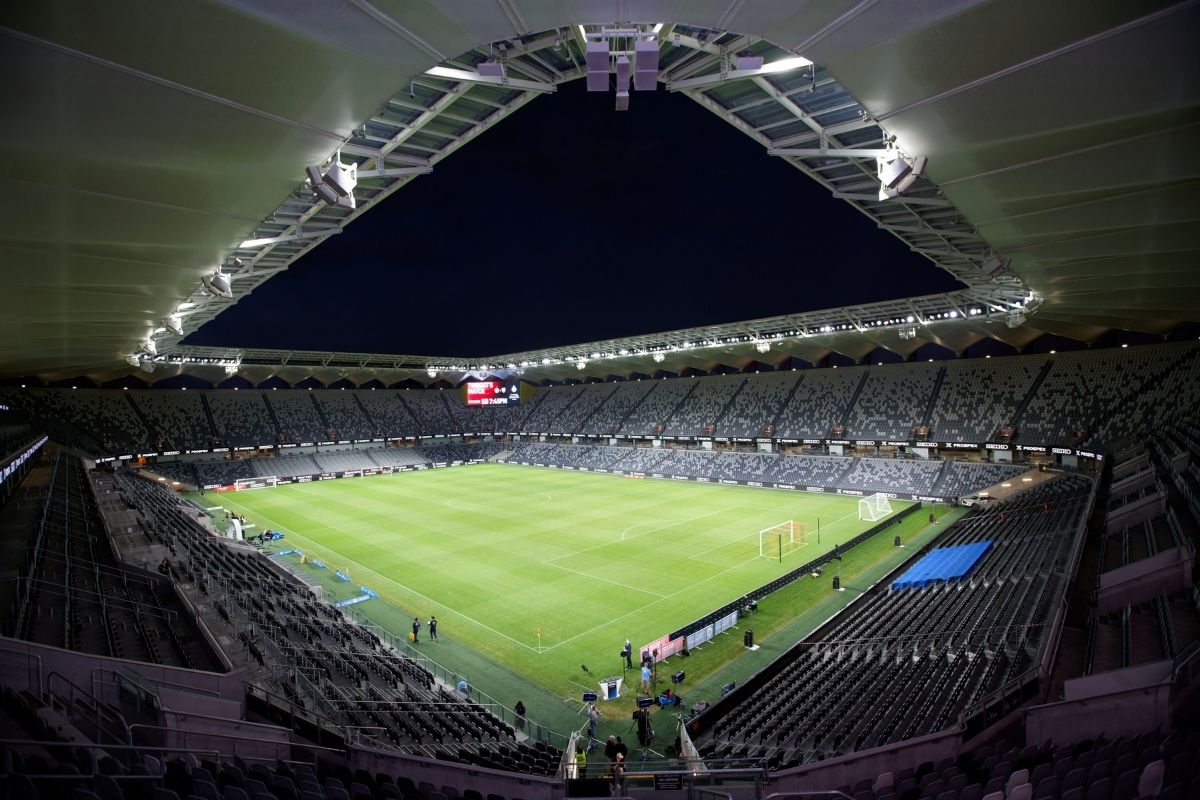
(144, 145)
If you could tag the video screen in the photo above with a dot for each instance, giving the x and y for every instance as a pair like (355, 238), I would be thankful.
(493, 393)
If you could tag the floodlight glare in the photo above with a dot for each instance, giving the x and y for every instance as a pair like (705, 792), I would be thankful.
(659, 358)
(132, 360)
(174, 324)
(149, 347)
(763, 347)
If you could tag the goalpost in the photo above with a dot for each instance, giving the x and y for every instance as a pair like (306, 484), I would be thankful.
(779, 540)
(874, 508)
(254, 483)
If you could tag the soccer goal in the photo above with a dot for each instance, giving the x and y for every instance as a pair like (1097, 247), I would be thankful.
(874, 507)
(254, 483)
(779, 540)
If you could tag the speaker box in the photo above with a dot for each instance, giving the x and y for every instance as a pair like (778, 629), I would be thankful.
(645, 68)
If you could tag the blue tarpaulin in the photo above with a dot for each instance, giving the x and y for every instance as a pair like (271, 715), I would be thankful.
(942, 564)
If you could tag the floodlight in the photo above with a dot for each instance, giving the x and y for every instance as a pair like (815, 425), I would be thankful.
(763, 347)
(149, 347)
(132, 360)
(342, 177)
(218, 284)
(431, 373)
(174, 324)
(992, 265)
(918, 167)
(232, 369)
(582, 365)
(314, 176)
(659, 358)
(892, 171)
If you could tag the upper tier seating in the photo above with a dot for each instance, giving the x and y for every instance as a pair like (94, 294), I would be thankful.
(757, 405)
(297, 415)
(344, 414)
(657, 406)
(242, 418)
(429, 409)
(820, 402)
(892, 401)
(608, 418)
(704, 406)
(390, 415)
(978, 396)
(177, 417)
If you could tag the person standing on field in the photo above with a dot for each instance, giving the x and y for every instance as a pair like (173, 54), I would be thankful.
(433, 629)
(416, 629)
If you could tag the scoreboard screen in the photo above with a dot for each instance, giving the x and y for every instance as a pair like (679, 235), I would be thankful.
(493, 393)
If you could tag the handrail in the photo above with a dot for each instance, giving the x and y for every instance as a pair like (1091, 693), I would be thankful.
(287, 742)
(100, 711)
(52, 745)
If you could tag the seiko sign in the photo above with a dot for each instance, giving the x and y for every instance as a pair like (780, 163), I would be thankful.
(753, 483)
(170, 453)
(805, 441)
(926, 444)
(702, 480)
(1061, 451)
(866, 442)
(817, 489)
(994, 446)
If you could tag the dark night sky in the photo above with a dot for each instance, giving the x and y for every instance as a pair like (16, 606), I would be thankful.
(571, 222)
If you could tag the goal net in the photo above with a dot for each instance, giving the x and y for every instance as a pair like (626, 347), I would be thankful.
(254, 483)
(874, 507)
(779, 540)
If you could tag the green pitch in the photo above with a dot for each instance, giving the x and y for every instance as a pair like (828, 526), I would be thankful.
(545, 570)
